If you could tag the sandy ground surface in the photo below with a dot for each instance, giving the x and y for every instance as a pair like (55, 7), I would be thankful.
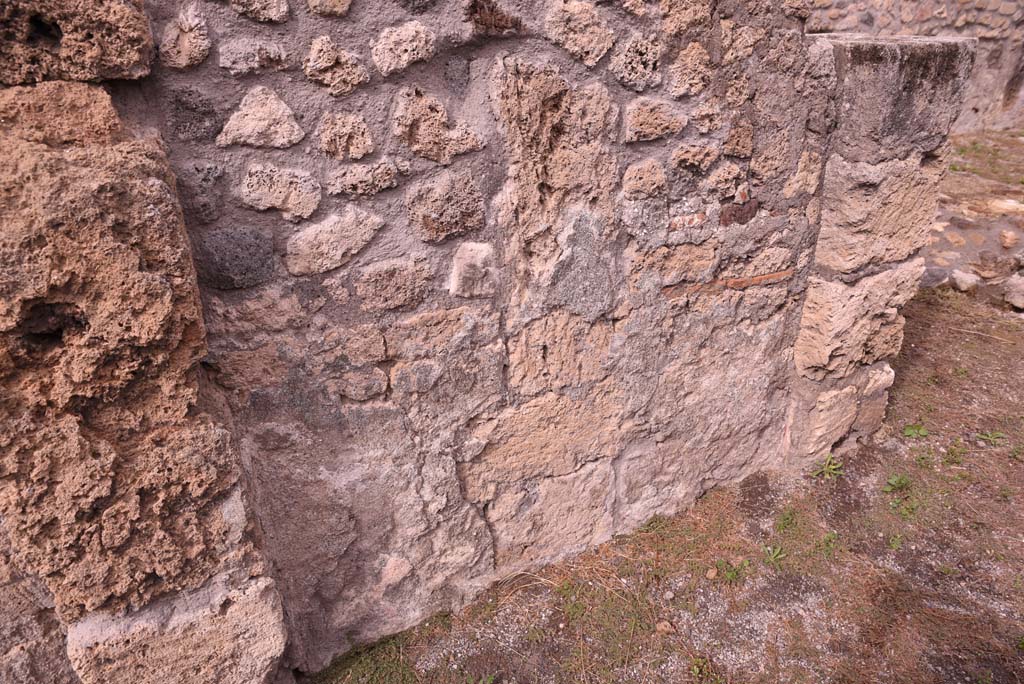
(901, 562)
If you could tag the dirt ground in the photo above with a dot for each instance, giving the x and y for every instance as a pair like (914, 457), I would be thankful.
(980, 226)
(902, 562)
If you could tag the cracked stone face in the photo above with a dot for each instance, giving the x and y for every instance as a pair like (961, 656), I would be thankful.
(452, 290)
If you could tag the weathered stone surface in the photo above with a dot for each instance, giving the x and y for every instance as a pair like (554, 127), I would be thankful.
(834, 414)
(681, 16)
(327, 245)
(247, 56)
(920, 80)
(393, 284)
(474, 272)
(333, 67)
(847, 325)
(617, 338)
(229, 632)
(421, 122)
(579, 28)
(399, 46)
(330, 8)
(448, 205)
(185, 41)
(993, 98)
(79, 40)
(345, 136)
(636, 62)
(691, 71)
(877, 213)
(644, 179)
(262, 10)
(363, 179)
(649, 119)
(296, 193)
(965, 282)
(261, 120)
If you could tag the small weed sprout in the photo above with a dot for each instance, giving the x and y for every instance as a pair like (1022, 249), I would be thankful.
(731, 574)
(1017, 453)
(896, 542)
(915, 431)
(786, 521)
(955, 453)
(773, 556)
(703, 673)
(829, 469)
(991, 438)
(828, 545)
(1020, 644)
(896, 483)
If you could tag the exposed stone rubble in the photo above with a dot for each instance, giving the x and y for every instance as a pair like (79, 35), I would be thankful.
(577, 263)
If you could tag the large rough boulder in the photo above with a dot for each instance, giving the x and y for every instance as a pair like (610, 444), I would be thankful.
(80, 40)
(112, 490)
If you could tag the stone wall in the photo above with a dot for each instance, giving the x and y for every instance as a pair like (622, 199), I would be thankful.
(994, 99)
(481, 285)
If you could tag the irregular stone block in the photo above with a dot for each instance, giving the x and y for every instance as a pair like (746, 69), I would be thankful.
(261, 120)
(833, 415)
(296, 193)
(421, 122)
(644, 180)
(393, 284)
(877, 213)
(897, 95)
(330, 8)
(75, 40)
(844, 326)
(691, 72)
(345, 136)
(327, 245)
(650, 119)
(262, 10)
(229, 632)
(399, 46)
(578, 27)
(444, 207)
(242, 56)
(679, 16)
(363, 179)
(473, 271)
(123, 341)
(636, 62)
(234, 258)
(185, 41)
(335, 68)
